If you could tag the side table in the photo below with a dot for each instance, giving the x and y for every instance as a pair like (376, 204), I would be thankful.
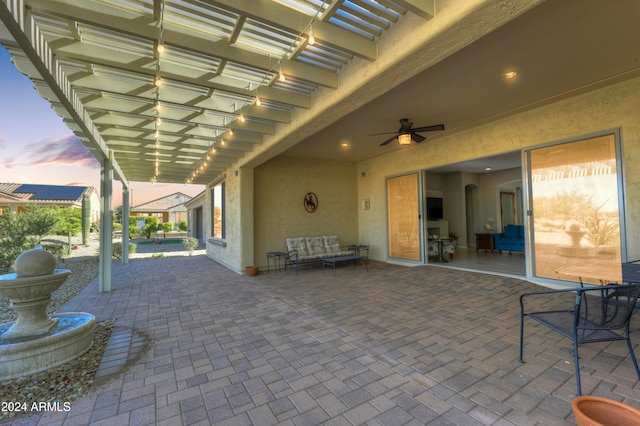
(358, 249)
(484, 241)
(276, 256)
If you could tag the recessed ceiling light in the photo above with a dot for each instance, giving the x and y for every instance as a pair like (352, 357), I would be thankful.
(344, 144)
(509, 75)
(487, 169)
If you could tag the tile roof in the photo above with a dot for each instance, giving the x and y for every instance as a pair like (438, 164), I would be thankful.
(164, 203)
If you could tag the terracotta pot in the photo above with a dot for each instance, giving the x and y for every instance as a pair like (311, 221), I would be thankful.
(597, 411)
(251, 270)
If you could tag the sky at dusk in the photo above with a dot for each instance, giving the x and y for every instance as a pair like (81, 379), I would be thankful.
(37, 147)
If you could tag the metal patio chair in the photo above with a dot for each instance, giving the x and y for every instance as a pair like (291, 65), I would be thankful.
(599, 314)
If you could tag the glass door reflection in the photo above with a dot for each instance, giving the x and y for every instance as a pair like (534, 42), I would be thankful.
(576, 213)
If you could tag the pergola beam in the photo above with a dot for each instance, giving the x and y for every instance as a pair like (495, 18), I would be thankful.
(146, 28)
(44, 61)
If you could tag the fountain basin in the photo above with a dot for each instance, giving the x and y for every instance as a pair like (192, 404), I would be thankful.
(29, 298)
(71, 337)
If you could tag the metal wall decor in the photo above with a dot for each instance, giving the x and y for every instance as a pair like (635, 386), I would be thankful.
(311, 202)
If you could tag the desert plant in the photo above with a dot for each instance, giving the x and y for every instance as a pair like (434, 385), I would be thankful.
(116, 249)
(599, 229)
(58, 250)
(68, 221)
(86, 218)
(190, 244)
(21, 232)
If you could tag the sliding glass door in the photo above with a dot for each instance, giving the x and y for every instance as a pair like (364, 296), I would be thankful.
(575, 207)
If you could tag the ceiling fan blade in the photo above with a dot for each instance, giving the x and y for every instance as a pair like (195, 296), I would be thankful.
(417, 138)
(388, 140)
(433, 128)
(385, 133)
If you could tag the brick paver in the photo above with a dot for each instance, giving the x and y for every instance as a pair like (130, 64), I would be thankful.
(195, 343)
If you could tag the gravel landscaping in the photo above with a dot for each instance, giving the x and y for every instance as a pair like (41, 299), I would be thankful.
(72, 380)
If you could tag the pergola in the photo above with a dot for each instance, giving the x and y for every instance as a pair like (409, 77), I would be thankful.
(181, 90)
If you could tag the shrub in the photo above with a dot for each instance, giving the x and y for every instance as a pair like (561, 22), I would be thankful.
(183, 226)
(167, 227)
(58, 250)
(67, 220)
(150, 225)
(190, 244)
(133, 230)
(22, 232)
(116, 249)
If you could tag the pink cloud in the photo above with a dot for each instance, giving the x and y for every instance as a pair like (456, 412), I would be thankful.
(66, 151)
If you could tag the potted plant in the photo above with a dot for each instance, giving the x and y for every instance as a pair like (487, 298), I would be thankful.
(595, 410)
(251, 270)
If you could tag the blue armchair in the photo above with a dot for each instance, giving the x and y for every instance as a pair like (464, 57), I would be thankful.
(511, 239)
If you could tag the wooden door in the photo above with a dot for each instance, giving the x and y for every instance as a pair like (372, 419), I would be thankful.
(403, 217)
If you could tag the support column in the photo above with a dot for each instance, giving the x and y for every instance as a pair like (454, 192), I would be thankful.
(125, 224)
(106, 227)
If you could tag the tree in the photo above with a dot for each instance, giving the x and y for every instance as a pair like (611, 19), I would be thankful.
(150, 225)
(167, 227)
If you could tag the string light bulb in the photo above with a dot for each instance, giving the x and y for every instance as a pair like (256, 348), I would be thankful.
(241, 118)
(312, 39)
(158, 81)
(258, 101)
(160, 47)
(281, 74)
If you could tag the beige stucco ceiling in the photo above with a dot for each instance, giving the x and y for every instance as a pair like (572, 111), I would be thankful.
(374, 62)
(559, 48)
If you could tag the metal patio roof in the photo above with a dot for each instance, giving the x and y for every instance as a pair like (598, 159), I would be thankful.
(180, 90)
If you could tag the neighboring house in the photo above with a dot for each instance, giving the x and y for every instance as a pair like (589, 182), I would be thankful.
(17, 197)
(196, 214)
(167, 209)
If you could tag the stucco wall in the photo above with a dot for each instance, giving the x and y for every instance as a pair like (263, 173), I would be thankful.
(615, 106)
(280, 187)
(238, 216)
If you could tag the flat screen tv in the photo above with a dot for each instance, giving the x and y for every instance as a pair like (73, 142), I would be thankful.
(434, 208)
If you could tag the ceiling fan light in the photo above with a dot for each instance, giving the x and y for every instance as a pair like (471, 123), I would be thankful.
(404, 138)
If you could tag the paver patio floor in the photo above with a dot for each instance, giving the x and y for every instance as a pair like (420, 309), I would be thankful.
(195, 343)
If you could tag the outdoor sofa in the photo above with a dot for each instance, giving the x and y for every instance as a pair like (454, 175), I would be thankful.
(304, 250)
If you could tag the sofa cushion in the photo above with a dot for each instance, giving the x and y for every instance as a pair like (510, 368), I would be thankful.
(315, 246)
(299, 244)
(512, 231)
(331, 243)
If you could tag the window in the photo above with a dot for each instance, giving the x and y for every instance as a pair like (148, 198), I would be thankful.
(217, 209)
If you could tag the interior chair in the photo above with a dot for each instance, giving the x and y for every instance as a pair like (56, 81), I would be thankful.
(598, 314)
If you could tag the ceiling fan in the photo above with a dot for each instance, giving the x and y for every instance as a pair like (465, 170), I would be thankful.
(406, 133)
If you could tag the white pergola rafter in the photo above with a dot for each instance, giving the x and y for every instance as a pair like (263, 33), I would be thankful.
(219, 57)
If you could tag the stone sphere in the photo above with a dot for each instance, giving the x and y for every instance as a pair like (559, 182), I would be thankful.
(35, 262)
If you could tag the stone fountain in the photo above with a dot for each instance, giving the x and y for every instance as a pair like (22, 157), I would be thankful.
(36, 341)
